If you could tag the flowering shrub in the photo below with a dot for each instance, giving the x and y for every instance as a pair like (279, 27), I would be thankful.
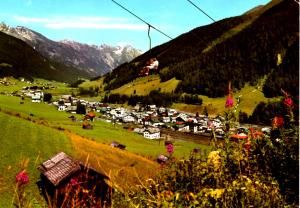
(259, 172)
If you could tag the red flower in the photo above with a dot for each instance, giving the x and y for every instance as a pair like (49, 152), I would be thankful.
(229, 102)
(247, 145)
(278, 122)
(288, 102)
(22, 178)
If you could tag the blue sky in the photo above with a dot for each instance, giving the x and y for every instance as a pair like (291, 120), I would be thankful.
(103, 22)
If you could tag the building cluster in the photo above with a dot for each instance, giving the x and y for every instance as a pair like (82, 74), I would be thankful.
(149, 120)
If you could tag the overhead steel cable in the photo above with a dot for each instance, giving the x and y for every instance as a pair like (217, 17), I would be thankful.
(149, 25)
(201, 10)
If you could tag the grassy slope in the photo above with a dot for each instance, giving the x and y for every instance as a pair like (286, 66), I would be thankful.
(144, 85)
(36, 143)
(20, 141)
(141, 85)
(250, 97)
(60, 88)
(95, 83)
(122, 166)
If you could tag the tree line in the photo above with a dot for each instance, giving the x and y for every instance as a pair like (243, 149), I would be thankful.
(154, 97)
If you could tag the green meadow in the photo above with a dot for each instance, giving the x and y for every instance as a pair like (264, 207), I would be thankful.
(24, 145)
(103, 132)
(29, 136)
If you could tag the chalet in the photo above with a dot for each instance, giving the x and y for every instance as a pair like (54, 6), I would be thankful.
(195, 128)
(152, 107)
(172, 112)
(90, 116)
(183, 128)
(117, 145)
(161, 109)
(158, 124)
(182, 117)
(139, 130)
(71, 109)
(65, 180)
(166, 119)
(37, 97)
(128, 119)
(152, 133)
(61, 108)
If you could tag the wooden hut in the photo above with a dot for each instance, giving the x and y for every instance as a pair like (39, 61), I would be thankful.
(66, 182)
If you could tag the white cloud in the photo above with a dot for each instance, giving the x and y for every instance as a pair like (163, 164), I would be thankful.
(88, 22)
(31, 19)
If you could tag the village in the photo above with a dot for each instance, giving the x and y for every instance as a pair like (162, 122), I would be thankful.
(150, 121)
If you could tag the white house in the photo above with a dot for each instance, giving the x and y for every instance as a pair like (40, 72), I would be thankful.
(61, 108)
(166, 119)
(37, 97)
(162, 110)
(183, 116)
(184, 128)
(139, 130)
(152, 133)
(128, 119)
(171, 112)
(195, 129)
(152, 107)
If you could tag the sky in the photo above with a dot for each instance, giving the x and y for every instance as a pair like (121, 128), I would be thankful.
(103, 22)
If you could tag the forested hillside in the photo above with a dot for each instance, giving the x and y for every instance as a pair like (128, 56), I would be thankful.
(286, 75)
(241, 49)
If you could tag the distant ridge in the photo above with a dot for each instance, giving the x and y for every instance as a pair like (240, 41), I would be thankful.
(87, 59)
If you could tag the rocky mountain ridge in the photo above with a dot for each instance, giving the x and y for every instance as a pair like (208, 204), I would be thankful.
(91, 59)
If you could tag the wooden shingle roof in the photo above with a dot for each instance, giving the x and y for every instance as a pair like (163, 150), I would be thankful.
(59, 167)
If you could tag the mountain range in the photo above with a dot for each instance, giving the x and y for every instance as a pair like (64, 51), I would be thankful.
(241, 49)
(88, 60)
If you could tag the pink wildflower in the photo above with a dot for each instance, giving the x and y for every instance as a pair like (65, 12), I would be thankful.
(170, 148)
(22, 178)
(229, 102)
(73, 182)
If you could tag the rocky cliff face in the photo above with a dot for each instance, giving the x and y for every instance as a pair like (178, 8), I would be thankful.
(95, 60)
